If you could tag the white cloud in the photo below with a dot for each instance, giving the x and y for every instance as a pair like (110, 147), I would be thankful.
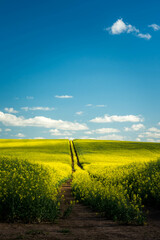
(115, 118)
(103, 131)
(21, 135)
(89, 105)
(10, 110)
(39, 138)
(145, 36)
(141, 136)
(0, 130)
(118, 27)
(25, 108)
(56, 132)
(137, 127)
(153, 129)
(63, 96)
(106, 130)
(39, 121)
(84, 137)
(134, 127)
(101, 105)
(7, 130)
(111, 137)
(29, 97)
(70, 138)
(37, 108)
(150, 135)
(152, 140)
(127, 129)
(138, 139)
(154, 26)
(121, 27)
(98, 105)
(89, 132)
(79, 113)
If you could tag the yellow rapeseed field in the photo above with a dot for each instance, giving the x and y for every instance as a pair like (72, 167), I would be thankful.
(118, 178)
(31, 172)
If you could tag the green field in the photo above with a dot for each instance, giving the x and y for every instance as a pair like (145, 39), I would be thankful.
(118, 178)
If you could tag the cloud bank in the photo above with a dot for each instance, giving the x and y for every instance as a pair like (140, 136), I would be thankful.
(20, 135)
(103, 131)
(63, 96)
(151, 133)
(79, 113)
(10, 110)
(111, 137)
(135, 127)
(56, 132)
(37, 108)
(116, 118)
(39, 121)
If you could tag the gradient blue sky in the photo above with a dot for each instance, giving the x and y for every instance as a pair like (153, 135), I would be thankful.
(51, 49)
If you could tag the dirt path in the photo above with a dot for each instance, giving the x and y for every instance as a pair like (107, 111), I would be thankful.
(73, 149)
(81, 223)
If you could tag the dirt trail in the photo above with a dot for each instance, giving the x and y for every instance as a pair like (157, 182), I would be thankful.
(75, 154)
(81, 224)
(72, 157)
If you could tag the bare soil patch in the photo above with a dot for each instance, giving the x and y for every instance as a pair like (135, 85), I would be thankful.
(79, 224)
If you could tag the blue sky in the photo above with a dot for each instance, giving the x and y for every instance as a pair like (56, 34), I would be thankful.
(80, 69)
